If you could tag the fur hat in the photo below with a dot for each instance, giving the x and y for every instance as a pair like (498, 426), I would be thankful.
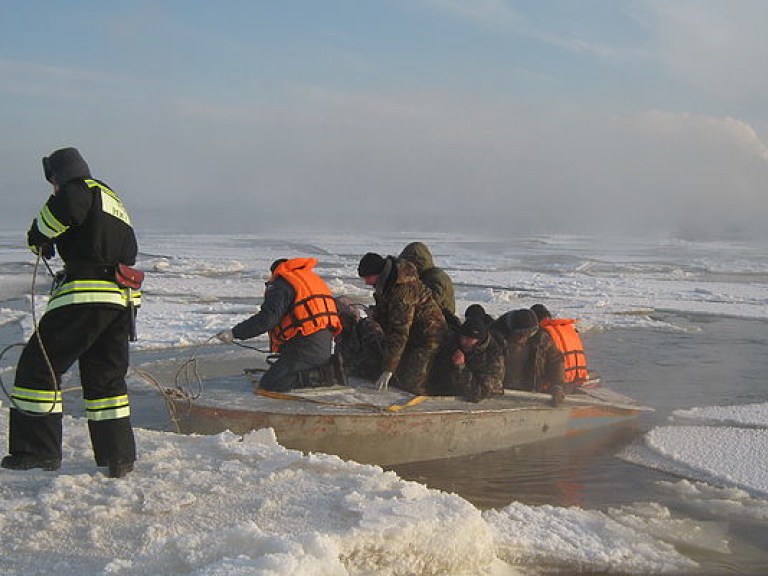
(370, 265)
(347, 307)
(541, 312)
(521, 321)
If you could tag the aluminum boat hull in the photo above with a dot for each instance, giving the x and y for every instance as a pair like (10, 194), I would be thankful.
(328, 421)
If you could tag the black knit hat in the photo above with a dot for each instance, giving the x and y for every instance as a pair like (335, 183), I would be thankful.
(474, 327)
(520, 321)
(474, 310)
(541, 312)
(277, 263)
(370, 265)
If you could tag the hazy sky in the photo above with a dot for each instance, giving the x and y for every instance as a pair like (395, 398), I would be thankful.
(525, 116)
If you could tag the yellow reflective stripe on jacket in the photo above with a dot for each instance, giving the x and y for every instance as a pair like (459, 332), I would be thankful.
(92, 292)
(48, 225)
(37, 401)
(108, 408)
(110, 203)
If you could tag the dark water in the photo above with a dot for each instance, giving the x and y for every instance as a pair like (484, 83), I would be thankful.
(710, 361)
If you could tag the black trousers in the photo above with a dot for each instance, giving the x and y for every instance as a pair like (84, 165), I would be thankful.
(298, 357)
(97, 336)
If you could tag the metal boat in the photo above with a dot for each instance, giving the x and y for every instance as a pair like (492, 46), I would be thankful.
(361, 423)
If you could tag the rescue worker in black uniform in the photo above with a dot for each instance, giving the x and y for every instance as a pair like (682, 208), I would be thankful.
(89, 318)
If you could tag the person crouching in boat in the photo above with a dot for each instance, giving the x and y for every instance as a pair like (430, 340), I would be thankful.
(413, 324)
(566, 337)
(469, 364)
(359, 343)
(300, 314)
(531, 359)
(477, 311)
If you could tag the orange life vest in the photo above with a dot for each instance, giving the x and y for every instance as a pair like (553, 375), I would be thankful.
(567, 339)
(313, 307)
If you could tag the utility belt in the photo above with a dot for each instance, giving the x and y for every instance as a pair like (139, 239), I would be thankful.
(83, 271)
(127, 278)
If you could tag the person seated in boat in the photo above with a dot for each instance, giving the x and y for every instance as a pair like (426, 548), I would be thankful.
(434, 278)
(359, 343)
(470, 363)
(567, 339)
(531, 359)
(413, 324)
(477, 311)
(300, 315)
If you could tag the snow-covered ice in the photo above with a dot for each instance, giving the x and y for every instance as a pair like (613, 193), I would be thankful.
(234, 505)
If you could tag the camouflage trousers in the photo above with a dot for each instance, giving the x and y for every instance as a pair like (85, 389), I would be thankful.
(414, 369)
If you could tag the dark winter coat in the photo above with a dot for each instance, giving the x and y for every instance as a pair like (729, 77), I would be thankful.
(543, 365)
(480, 377)
(297, 355)
(412, 322)
(359, 345)
(278, 300)
(91, 236)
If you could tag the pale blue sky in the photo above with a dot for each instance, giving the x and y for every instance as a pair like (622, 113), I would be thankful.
(527, 116)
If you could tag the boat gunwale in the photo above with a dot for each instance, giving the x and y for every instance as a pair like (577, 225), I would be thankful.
(307, 407)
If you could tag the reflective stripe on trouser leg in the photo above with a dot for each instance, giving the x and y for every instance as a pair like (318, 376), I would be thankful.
(35, 425)
(108, 408)
(102, 374)
(36, 401)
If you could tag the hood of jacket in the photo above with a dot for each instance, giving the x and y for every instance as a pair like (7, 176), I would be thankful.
(65, 165)
(419, 255)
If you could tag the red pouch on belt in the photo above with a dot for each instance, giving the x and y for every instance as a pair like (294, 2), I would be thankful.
(128, 277)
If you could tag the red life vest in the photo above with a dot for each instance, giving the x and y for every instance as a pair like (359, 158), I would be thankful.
(313, 307)
(567, 339)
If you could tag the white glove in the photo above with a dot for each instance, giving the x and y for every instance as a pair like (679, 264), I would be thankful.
(383, 382)
(226, 336)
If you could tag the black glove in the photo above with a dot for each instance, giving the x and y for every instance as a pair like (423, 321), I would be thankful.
(40, 243)
(48, 250)
(36, 238)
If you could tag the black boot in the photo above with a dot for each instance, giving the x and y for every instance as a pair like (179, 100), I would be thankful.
(558, 396)
(27, 462)
(119, 469)
(317, 377)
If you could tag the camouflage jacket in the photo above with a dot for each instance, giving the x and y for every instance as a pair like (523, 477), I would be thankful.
(480, 377)
(543, 362)
(406, 312)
